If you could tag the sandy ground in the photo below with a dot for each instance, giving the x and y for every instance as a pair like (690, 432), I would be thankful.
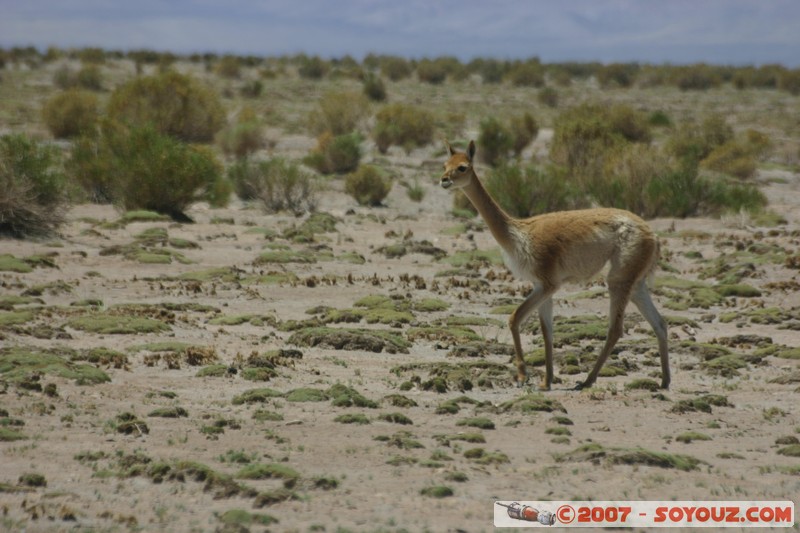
(370, 477)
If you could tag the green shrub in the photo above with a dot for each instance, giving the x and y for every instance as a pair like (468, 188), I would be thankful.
(695, 143)
(243, 137)
(395, 68)
(733, 158)
(71, 113)
(229, 67)
(659, 118)
(529, 74)
(336, 155)
(368, 185)
(548, 97)
(140, 168)
(90, 77)
(338, 113)
(252, 89)
(490, 70)
(32, 188)
(698, 77)
(585, 135)
(402, 125)
(431, 71)
(524, 130)
(496, 141)
(312, 68)
(529, 191)
(374, 88)
(789, 81)
(172, 103)
(621, 75)
(277, 184)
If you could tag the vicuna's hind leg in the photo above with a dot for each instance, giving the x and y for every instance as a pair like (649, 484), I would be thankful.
(620, 295)
(641, 297)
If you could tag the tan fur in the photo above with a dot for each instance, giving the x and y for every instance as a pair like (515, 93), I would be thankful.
(568, 246)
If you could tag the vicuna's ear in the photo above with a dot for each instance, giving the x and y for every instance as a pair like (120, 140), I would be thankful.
(471, 151)
(449, 148)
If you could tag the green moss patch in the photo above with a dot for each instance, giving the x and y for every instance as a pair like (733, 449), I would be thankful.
(15, 318)
(306, 394)
(9, 263)
(442, 377)
(702, 404)
(18, 363)
(239, 518)
(226, 274)
(370, 340)
(269, 471)
(598, 454)
(474, 259)
(532, 402)
(690, 436)
(344, 396)
(256, 396)
(112, 324)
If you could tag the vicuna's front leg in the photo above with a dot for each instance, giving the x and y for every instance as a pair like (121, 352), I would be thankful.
(535, 299)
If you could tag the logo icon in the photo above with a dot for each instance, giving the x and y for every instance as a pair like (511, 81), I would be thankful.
(528, 514)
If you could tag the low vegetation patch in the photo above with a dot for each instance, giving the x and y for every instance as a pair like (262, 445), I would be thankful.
(598, 454)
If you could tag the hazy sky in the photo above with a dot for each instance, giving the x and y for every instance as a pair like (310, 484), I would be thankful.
(656, 31)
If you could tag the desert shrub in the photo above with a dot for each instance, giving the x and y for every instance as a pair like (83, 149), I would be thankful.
(431, 71)
(694, 142)
(312, 68)
(462, 206)
(229, 67)
(70, 113)
(490, 70)
(395, 68)
(695, 77)
(733, 158)
(528, 74)
(548, 97)
(141, 168)
(496, 141)
(278, 184)
(92, 56)
(659, 119)
(251, 89)
(529, 191)
(338, 113)
(65, 78)
(243, 137)
(402, 125)
(630, 123)
(789, 81)
(172, 103)
(33, 195)
(90, 77)
(585, 135)
(368, 185)
(524, 130)
(374, 88)
(680, 190)
(621, 75)
(335, 154)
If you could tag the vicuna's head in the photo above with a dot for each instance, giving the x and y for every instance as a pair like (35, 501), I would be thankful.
(458, 168)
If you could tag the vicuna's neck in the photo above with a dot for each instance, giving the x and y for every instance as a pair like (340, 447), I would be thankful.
(499, 221)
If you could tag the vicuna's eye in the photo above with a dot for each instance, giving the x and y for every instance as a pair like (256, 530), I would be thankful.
(462, 168)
